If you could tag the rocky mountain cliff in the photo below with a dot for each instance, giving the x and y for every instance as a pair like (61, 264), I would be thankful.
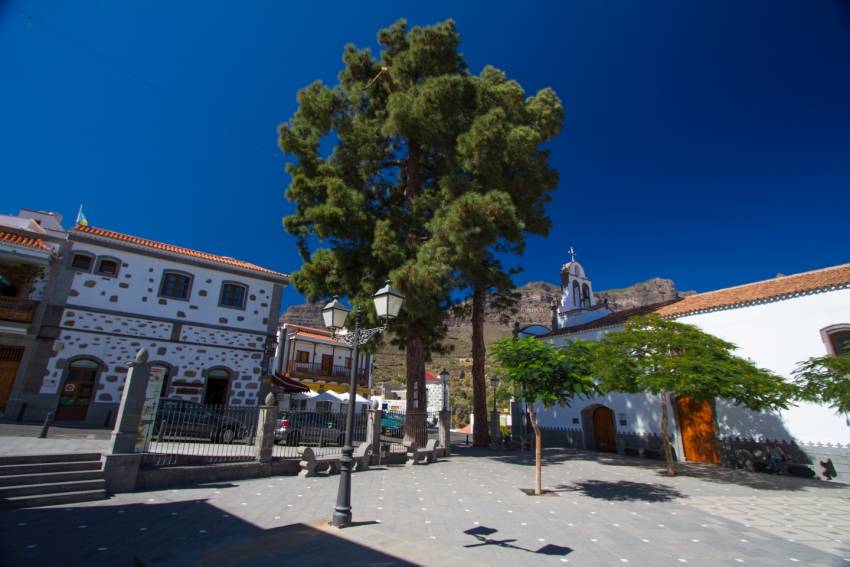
(534, 306)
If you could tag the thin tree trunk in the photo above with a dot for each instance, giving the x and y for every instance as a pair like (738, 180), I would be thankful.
(538, 453)
(481, 428)
(665, 434)
(414, 420)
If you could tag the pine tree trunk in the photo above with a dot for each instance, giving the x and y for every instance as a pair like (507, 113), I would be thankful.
(414, 420)
(538, 452)
(665, 434)
(481, 427)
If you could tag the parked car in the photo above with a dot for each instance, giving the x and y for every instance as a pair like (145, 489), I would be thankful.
(184, 419)
(392, 424)
(310, 428)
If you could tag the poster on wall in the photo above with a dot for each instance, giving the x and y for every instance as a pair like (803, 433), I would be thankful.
(152, 393)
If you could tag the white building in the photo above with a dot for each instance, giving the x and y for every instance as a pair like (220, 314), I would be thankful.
(208, 322)
(775, 323)
(321, 361)
(30, 244)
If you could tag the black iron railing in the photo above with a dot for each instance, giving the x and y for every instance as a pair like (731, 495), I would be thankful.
(323, 431)
(196, 434)
(317, 370)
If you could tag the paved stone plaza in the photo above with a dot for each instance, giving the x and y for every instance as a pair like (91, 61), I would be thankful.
(466, 510)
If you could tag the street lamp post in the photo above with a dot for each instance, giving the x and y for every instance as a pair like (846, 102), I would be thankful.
(495, 432)
(444, 380)
(388, 302)
(445, 431)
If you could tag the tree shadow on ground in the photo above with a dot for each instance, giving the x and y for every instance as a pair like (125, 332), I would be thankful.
(716, 473)
(706, 472)
(482, 533)
(550, 456)
(192, 532)
(623, 490)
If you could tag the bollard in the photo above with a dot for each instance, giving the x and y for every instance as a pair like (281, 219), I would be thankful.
(46, 426)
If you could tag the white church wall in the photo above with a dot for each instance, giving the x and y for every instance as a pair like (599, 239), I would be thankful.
(777, 335)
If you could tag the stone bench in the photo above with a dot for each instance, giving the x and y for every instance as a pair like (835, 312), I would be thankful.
(312, 465)
(415, 455)
(362, 454)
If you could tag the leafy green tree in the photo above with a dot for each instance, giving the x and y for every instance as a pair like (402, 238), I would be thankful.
(667, 358)
(826, 380)
(368, 202)
(544, 374)
(502, 187)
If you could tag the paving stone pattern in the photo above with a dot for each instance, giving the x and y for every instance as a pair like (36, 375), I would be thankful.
(466, 510)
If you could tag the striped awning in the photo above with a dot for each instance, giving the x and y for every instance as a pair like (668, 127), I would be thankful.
(289, 385)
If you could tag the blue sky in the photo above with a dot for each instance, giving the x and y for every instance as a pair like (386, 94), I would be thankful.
(707, 142)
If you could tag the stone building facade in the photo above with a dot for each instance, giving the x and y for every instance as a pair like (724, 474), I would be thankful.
(208, 322)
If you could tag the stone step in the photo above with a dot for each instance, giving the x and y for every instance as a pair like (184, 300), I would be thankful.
(52, 458)
(41, 478)
(52, 498)
(50, 467)
(52, 488)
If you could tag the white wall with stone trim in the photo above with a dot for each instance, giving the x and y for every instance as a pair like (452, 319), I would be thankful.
(189, 363)
(135, 290)
(107, 323)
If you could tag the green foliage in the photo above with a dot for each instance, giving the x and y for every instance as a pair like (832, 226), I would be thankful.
(368, 203)
(543, 373)
(658, 355)
(825, 380)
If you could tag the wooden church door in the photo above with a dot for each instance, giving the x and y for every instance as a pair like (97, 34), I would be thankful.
(604, 432)
(696, 421)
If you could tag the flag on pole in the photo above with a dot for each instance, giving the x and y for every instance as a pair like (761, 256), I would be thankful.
(81, 218)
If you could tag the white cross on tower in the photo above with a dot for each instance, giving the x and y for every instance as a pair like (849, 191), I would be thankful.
(572, 254)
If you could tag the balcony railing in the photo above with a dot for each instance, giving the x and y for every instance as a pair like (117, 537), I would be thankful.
(318, 371)
(17, 310)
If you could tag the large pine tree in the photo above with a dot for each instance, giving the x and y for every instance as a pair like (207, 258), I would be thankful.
(374, 159)
(503, 184)
(415, 170)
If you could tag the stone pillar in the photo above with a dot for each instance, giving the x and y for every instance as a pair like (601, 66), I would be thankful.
(126, 431)
(373, 429)
(445, 431)
(265, 429)
(495, 432)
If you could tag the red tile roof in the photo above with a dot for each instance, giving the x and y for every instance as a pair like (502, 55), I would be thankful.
(153, 245)
(318, 336)
(615, 318)
(779, 287)
(26, 241)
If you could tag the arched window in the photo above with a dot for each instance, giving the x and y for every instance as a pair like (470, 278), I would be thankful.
(576, 294)
(837, 339)
(77, 390)
(585, 295)
(218, 386)
(175, 285)
(107, 266)
(82, 261)
(233, 295)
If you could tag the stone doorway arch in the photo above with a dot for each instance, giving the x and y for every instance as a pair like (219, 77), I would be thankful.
(600, 431)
